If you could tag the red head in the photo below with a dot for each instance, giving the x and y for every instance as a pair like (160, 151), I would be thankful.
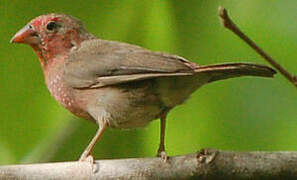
(52, 35)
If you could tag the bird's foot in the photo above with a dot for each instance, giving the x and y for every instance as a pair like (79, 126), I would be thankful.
(89, 159)
(163, 156)
(86, 158)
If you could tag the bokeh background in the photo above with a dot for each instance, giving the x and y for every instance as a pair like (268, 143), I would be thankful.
(243, 114)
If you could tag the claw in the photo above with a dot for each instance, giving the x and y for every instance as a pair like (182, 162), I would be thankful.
(163, 156)
(89, 159)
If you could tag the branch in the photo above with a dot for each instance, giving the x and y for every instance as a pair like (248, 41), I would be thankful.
(228, 23)
(206, 164)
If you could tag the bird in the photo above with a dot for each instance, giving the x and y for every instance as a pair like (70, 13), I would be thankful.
(116, 84)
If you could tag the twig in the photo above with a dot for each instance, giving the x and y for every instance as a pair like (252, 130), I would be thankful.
(228, 23)
(206, 164)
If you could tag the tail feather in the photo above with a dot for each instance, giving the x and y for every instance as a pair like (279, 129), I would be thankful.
(230, 70)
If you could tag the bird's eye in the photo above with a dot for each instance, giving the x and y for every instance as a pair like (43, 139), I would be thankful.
(51, 26)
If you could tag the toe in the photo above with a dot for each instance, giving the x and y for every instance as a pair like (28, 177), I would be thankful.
(163, 156)
(86, 158)
(90, 159)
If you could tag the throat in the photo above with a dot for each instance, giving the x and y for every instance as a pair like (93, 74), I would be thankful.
(50, 57)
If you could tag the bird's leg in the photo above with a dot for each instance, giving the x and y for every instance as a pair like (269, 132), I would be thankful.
(86, 155)
(161, 150)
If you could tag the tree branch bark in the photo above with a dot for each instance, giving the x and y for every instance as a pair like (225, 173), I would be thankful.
(206, 164)
(229, 24)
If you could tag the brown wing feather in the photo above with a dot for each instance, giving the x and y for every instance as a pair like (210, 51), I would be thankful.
(230, 70)
(101, 63)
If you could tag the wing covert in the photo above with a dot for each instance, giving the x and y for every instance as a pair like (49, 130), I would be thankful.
(99, 63)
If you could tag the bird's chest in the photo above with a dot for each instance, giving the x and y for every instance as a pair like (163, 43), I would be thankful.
(59, 90)
(65, 95)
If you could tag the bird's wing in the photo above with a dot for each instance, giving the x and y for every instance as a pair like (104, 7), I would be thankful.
(100, 63)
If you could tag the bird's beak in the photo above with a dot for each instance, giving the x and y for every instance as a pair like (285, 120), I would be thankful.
(26, 35)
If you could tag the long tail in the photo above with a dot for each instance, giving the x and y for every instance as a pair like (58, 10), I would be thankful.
(230, 70)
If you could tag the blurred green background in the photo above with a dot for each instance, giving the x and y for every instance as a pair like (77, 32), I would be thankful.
(238, 114)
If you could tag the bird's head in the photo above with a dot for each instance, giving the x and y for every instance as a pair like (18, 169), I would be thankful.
(52, 34)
